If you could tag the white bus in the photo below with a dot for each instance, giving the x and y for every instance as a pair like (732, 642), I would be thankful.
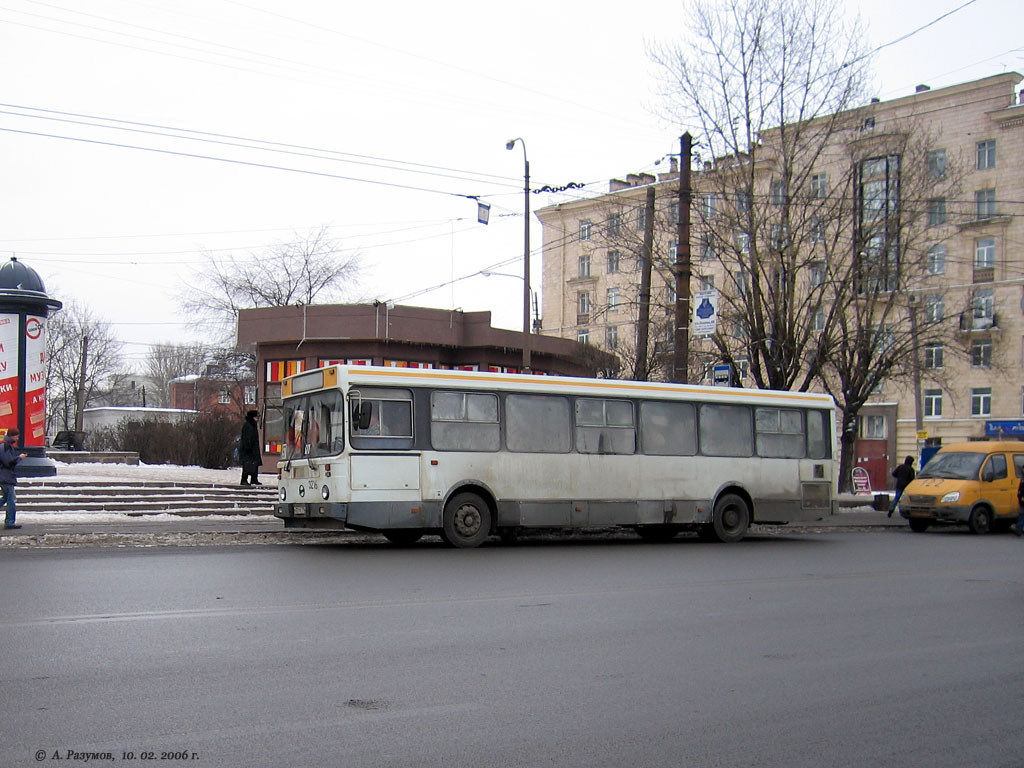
(468, 455)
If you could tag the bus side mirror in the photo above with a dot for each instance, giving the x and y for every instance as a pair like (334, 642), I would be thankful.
(361, 415)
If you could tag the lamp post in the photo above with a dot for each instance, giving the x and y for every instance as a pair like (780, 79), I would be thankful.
(533, 294)
(526, 253)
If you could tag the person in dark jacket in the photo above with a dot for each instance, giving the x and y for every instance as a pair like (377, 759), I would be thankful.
(9, 458)
(1018, 527)
(249, 449)
(904, 473)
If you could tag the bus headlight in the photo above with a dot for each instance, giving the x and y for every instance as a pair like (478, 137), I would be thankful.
(950, 498)
(325, 492)
(282, 493)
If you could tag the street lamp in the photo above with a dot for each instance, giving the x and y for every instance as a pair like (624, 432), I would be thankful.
(526, 253)
(489, 273)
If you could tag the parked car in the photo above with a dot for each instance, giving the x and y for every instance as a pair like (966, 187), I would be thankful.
(973, 484)
(69, 440)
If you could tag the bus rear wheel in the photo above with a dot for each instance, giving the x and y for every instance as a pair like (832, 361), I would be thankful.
(466, 521)
(729, 521)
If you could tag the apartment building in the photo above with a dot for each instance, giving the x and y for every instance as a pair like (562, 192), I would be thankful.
(967, 287)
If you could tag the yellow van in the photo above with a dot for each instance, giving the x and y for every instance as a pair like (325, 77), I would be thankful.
(966, 483)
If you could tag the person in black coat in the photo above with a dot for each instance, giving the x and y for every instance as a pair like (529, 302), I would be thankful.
(9, 458)
(1018, 527)
(904, 473)
(249, 449)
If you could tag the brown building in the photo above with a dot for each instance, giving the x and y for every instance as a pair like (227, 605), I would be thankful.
(287, 340)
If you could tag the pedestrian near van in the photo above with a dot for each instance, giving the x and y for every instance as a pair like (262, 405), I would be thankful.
(1018, 527)
(9, 458)
(904, 473)
(249, 449)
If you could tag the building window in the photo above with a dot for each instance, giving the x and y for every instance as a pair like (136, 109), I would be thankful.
(873, 427)
(707, 248)
(708, 207)
(985, 253)
(817, 274)
(819, 320)
(932, 403)
(583, 335)
(983, 304)
(819, 186)
(613, 299)
(778, 192)
(981, 400)
(743, 242)
(613, 262)
(986, 154)
(585, 229)
(615, 224)
(985, 203)
(224, 397)
(707, 283)
(673, 214)
(933, 308)
(981, 353)
(937, 260)
(817, 230)
(937, 163)
(250, 394)
(611, 336)
(641, 219)
(583, 302)
(585, 265)
(742, 202)
(936, 211)
(933, 356)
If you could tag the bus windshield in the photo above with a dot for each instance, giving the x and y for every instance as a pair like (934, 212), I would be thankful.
(315, 425)
(956, 466)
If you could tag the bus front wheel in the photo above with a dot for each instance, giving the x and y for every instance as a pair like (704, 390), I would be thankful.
(466, 521)
(729, 521)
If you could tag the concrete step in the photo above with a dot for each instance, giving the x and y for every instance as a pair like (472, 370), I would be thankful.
(144, 498)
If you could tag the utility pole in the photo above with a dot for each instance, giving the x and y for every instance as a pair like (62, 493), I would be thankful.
(641, 368)
(682, 264)
(81, 384)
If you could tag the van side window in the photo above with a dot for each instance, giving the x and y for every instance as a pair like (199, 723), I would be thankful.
(997, 466)
(1018, 464)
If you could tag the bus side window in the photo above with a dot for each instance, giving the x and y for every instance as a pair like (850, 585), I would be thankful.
(538, 424)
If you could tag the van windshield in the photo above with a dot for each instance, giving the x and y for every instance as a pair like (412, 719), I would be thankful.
(957, 466)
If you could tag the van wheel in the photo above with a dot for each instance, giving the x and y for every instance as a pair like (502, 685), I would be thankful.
(981, 520)
(918, 526)
(466, 521)
(730, 519)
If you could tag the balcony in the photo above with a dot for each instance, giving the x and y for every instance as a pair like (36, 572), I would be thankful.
(977, 322)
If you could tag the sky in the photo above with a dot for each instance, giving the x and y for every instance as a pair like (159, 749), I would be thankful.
(380, 121)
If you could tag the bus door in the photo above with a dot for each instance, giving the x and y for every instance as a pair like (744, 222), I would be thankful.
(382, 440)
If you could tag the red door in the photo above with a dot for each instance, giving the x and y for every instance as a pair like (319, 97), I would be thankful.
(873, 455)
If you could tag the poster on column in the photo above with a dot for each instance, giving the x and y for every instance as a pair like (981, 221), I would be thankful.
(35, 381)
(8, 371)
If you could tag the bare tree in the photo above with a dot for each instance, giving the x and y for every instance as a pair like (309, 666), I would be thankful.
(309, 268)
(767, 85)
(882, 311)
(166, 361)
(72, 333)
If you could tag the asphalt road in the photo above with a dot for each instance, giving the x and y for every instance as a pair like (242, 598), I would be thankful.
(835, 649)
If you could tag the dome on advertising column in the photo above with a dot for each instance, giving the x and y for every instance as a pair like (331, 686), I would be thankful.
(23, 284)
